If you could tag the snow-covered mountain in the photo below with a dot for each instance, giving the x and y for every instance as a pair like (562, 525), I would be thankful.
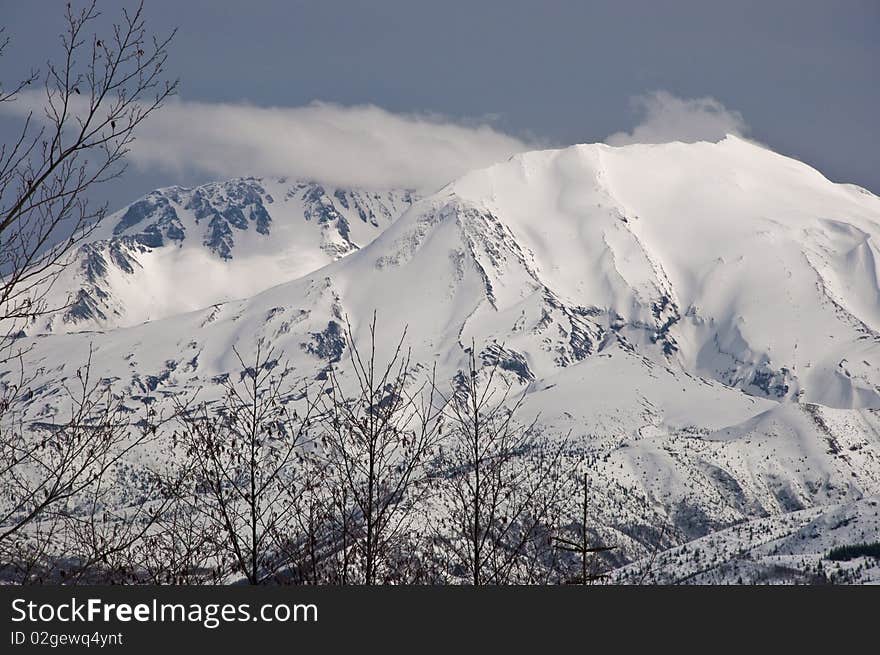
(704, 318)
(176, 249)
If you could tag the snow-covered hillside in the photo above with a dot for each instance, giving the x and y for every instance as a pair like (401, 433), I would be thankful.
(704, 318)
(176, 249)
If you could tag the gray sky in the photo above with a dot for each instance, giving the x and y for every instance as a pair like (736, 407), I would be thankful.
(458, 84)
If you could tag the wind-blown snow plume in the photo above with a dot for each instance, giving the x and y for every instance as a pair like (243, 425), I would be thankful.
(666, 118)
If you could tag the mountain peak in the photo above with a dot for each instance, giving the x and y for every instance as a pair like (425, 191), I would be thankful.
(553, 255)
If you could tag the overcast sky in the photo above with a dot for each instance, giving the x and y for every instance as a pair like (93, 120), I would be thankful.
(411, 93)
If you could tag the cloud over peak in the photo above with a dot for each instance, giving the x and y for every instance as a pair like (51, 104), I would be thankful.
(366, 146)
(666, 117)
(352, 146)
(359, 146)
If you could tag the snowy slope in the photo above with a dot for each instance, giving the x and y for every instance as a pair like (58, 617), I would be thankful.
(703, 318)
(781, 549)
(745, 266)
(176, 249)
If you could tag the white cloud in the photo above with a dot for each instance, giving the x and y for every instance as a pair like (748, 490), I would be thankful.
(361, 146)
(365, 145)
(666, 117)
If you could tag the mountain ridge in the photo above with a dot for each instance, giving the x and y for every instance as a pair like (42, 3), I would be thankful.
(153, 246)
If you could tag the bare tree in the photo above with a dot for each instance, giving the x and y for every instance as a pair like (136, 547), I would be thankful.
(582, 546)
(244, 458)
(180, 548)
(170, 546)
(328, 524)
(102, 88)
(93, 98)
(499, 489)
(46, 470)
(105, 540)
(378, 442)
